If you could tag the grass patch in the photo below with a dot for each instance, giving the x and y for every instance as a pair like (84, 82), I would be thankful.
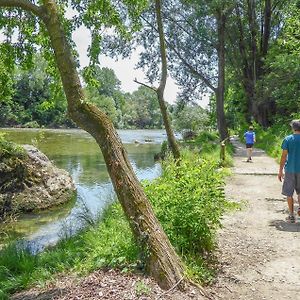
(108, 244)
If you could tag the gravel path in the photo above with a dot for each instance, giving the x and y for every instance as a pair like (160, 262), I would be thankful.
(259, 252)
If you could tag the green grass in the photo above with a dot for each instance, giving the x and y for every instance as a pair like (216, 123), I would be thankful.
(108, 244)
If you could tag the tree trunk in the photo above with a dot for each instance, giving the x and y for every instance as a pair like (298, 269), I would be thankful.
(220, 93)
(160, 91)
(163, 263)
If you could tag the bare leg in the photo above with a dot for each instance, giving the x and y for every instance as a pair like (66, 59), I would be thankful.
(248, 154)
(290, 202)
(299, 205)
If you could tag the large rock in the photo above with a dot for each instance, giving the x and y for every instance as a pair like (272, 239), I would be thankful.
(31, 182)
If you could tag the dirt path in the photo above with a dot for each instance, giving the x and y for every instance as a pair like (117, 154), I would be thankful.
(259, 251)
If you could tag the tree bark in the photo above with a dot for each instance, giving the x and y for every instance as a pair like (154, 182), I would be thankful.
(160, 91)
(221, 120)
(162, 261)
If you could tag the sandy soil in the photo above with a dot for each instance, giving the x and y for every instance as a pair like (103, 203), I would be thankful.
(259, 251)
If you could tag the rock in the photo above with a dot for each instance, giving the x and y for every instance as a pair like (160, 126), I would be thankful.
(149, 141)
(32, 183)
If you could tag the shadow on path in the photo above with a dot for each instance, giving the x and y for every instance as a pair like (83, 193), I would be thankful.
(285, 226)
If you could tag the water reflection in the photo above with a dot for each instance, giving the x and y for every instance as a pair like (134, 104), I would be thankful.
(76, 152)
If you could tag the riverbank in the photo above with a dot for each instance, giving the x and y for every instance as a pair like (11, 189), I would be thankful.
(109, 243)
(76, 152)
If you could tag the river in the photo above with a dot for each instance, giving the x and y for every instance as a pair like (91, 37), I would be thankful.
(76, 151)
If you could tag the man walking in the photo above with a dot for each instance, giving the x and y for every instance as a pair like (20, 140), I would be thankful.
(290, 161)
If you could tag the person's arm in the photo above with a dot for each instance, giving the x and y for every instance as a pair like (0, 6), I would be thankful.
(254, 138)
(281, 164)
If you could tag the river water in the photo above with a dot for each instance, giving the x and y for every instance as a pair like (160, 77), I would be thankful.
(77, 152)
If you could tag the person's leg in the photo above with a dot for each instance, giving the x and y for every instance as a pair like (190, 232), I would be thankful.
(297, 188)
(290, 202)
(288, 190)
(250, 153)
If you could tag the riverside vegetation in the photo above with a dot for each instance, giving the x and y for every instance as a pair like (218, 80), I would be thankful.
(189, 201)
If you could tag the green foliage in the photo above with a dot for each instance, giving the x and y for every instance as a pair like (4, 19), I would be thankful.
(282, 82)
(141, 110)
(191, 117)
(189, 200)
(10, 149)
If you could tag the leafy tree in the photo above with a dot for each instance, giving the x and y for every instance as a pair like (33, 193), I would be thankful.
(282, 82)
(141, 109)
(254, 27)
(6, 90)
(162, 261)
(191, 117)
(195, 37)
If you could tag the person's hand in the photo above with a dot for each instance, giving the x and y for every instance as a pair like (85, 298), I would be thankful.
(280, 175)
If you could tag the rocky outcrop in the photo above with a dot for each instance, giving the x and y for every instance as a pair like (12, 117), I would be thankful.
(30, 182)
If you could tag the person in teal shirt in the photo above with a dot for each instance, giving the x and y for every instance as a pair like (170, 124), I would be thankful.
(290, 162)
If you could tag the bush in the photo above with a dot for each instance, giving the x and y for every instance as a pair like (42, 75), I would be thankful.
(189, 200)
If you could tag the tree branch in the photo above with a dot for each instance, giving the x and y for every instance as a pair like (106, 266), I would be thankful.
(184, 61)
(146, 85)
(24, 4)
(192, 70)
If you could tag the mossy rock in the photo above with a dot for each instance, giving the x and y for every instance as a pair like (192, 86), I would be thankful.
(30, 182)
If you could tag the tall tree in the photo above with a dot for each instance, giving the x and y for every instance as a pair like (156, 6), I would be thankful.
(254, 26)
(160, 91)
(162, 261)
(163, 80)
(196, 37)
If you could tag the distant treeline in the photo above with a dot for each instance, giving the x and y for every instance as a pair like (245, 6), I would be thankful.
(34, 99)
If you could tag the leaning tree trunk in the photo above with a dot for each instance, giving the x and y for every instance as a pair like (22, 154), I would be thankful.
(160, 91)
(163, 263)
(220, 92)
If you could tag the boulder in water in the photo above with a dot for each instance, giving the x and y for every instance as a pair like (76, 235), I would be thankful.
(30, 182)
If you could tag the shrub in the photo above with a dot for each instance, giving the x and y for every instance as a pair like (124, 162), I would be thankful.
(189, 200)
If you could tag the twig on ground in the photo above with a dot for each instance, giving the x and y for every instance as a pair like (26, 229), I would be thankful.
(169, 290)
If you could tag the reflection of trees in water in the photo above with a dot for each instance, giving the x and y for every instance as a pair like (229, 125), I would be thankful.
(84, 169)
(78, 153)
(142, 155)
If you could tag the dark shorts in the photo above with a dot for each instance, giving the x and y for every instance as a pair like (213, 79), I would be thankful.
(291, 183)
(249, 145)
